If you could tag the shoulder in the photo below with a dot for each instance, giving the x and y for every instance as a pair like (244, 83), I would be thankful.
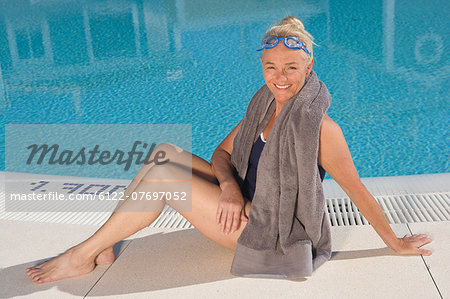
(332, 145)
(329, 129)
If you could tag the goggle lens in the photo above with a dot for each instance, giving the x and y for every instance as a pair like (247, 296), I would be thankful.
(292, 42)
(269, 42)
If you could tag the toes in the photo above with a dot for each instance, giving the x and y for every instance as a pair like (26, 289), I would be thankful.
(45, 279)
(31, 268)
(34, 275)
(29, 274)
(38, 279)
(32, 272)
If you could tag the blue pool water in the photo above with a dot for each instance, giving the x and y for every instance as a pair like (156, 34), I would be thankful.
(386, 64)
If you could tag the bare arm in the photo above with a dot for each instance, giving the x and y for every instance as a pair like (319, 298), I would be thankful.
(221, 160)
(231, 202)
(335, 158)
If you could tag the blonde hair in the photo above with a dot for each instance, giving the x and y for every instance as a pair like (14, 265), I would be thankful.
(291, 26)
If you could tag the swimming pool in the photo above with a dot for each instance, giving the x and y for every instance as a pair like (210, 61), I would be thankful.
(137, 62)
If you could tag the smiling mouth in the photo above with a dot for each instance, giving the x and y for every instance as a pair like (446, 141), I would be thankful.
(281, 86)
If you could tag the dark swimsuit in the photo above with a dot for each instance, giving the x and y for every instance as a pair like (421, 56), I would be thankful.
(248, 187)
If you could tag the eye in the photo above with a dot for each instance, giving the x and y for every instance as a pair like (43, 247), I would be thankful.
(292, 68)
(270, 68)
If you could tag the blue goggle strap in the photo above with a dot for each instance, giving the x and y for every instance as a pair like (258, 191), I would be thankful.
(301, 45)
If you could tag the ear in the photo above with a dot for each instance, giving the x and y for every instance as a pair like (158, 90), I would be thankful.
(309, 68)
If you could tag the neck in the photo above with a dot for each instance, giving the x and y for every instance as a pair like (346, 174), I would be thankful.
(278, 107)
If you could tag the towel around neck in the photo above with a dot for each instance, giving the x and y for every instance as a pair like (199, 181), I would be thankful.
(288, 233)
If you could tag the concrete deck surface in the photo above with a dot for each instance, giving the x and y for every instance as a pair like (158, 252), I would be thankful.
(175, 261)
(182, 263)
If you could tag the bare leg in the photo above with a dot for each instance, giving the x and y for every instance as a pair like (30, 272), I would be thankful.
(200, 167)
(123, 222)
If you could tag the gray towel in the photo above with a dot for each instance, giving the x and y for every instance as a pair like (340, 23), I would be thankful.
(288, 233)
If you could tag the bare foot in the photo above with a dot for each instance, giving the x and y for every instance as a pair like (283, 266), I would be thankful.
(105, 257)
(69, 264)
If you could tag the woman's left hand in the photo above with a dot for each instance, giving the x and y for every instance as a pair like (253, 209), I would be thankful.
(410, 245)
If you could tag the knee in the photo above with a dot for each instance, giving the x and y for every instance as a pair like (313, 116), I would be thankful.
(174, 182)
(167, 146)
(167, 149)
(169, 170)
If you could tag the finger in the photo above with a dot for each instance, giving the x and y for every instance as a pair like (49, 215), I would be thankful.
(419, 236)
(223, 221)
(425, 252)
(424, 241)
(236, 220)
(229, 223)
(219, 214)
(244, 216)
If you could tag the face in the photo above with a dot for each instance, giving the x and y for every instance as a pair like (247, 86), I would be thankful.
(285, 71)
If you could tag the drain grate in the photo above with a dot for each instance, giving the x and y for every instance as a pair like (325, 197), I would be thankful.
(343, 212)
(171, 218)
(404, 208)
(404, 199)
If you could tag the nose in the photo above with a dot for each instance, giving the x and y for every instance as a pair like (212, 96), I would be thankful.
(281, 76)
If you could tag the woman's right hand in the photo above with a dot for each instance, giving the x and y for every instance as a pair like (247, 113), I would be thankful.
(231, 209)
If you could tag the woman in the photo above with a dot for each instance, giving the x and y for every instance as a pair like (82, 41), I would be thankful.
(221, 205)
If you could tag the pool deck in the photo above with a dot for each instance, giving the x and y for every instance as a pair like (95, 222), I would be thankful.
(167, 262)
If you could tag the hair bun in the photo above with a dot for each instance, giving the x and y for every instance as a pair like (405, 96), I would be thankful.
(292, 21)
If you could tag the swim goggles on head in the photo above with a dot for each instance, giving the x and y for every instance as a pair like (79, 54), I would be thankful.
(291, 42)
